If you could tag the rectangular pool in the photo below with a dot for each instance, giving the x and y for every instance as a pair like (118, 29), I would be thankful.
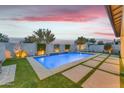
(55, 60)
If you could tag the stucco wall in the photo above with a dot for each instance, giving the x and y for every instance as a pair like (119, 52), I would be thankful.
(116, 49)
(31, 48)
(2, 51)
(100, 48)
(49, 48)
(96, 48)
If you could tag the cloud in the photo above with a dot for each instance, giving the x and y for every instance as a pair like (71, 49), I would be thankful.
(104, 34)
(53, 13)
(70, 18)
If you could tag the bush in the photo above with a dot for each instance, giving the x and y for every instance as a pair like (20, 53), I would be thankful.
(92, 40)
(100, 43)
(67, 46)
(41, 46)
(3, 38)
(108, 47)
(56, 46)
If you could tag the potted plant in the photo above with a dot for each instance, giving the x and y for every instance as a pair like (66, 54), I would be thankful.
(108, 47)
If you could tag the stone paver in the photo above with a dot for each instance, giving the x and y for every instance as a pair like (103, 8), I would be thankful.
(77, 73)
(101, 79)
(113, 61)
(103, 55)
(8, 74)
(114, 58)
(92, 63)
(98, 58)
(110, 68)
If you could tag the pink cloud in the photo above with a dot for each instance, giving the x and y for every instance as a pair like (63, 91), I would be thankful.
(73, 18)
(81, 15)
(99, 28)
(104, 34)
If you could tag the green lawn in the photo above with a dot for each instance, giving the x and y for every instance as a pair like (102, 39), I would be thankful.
(26, 77)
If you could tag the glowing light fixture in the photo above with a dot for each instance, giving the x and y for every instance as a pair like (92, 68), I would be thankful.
(40, 52)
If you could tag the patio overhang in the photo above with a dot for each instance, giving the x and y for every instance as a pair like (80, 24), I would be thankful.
(115, 15)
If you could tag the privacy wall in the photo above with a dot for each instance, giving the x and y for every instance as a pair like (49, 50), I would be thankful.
(2, 52)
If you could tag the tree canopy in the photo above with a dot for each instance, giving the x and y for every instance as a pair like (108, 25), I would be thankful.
(41, 36)
(81, 40)
(3, 38)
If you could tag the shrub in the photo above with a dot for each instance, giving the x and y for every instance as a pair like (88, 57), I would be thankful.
(3, 38)
(108, 47)
(100, 43)
(67, 46)
(41, 46)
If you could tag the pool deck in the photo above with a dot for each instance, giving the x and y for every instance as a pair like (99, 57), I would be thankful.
(43, 73)
(104, 73)
(98, 71)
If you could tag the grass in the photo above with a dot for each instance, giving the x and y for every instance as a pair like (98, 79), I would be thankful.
(26, 77)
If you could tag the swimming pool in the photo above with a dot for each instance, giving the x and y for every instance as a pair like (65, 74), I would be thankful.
(55, 60)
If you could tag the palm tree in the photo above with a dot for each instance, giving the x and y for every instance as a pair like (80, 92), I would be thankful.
(44, 36)
(48, 36)
(30, 39)
(39, 34)
(3, 38)
(80, 41)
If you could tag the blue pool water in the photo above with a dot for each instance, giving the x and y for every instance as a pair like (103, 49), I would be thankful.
(56, 60)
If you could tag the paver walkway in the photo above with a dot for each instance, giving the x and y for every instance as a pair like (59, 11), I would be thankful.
(103, 55)
(113, 60)
(110, 68)
(99, 58)
(8, 74)
(92, 63)
(114, 56)
(77, 73)
(101, 79)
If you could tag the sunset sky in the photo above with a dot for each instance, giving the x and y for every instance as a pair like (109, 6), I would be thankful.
(66, 22)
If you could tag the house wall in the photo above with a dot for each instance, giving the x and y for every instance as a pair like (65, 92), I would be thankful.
(49, 48)
(2, 51)
(73, 47)
(96, 48)
(10, 47)
(116, 49)
(100, 48)
(31, 48)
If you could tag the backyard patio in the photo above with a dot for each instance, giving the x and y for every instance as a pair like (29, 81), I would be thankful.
(99, 71)
(45, 59)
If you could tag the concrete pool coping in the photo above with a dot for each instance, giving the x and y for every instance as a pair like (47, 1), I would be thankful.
(43, 72)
